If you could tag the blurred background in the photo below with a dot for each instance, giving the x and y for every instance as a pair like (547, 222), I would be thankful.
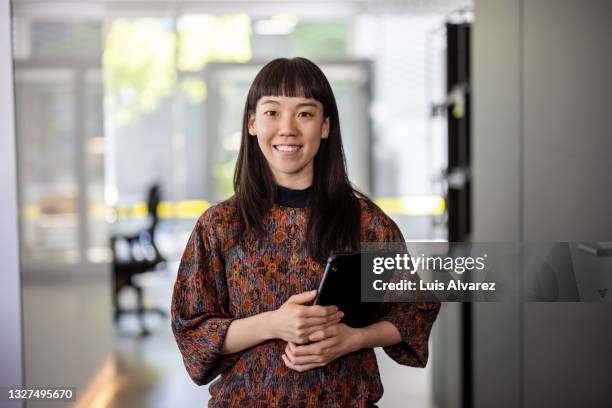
(463, 120)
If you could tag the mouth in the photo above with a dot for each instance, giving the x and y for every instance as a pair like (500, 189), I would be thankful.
(287, 148)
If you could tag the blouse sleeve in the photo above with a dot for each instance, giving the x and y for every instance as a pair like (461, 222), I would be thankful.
(413, 320)
(200, 306)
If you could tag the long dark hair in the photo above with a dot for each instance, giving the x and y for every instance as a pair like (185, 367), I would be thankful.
(333, 224)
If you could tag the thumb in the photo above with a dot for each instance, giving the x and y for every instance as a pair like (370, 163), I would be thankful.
(303, 297)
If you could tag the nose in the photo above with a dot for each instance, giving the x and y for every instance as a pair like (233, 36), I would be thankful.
(287, 126)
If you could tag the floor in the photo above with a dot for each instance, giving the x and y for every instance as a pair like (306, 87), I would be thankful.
(152, 373)
(150, 368)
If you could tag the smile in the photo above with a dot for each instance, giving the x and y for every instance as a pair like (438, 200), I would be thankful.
(287, 148)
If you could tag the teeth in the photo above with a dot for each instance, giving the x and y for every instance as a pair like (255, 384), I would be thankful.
(287, 148)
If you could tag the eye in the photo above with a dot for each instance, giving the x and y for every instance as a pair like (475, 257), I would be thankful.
(270, 113)
(305, 115)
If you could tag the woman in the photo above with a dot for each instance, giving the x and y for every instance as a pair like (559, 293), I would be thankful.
(240, 303)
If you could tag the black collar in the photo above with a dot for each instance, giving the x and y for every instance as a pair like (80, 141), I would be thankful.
(288, 197)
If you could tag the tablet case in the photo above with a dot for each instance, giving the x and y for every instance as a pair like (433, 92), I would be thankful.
(341, 286)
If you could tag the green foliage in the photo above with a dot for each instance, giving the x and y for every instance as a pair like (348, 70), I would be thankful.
(139, 68)
(321, 40)
(141, 58)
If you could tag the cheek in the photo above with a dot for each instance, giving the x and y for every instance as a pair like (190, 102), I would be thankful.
(314, 141)
(262, 142)
(316, 144)
(263, 135)
(265, 127)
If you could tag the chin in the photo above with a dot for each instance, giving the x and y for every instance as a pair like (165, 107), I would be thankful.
(290, 171)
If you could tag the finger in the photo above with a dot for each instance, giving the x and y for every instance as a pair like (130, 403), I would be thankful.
(324, 333)
(289, 353)
(313, 348)
(318, 335)
(320, 311)
(292, 346)
(304, 333)
(303, 297)
(303, 360)
(332, 323)
(289, 350)
(321, 321)
(308, 322)
(300, 368)
(313, 329)
(334, 316)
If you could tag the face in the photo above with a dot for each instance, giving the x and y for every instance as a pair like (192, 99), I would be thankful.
(289, 132)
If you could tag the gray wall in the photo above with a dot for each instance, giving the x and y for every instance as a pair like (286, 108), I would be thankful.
(11, 371)
(542, 172)
(447, 356)
(567, 190)
(496, 157)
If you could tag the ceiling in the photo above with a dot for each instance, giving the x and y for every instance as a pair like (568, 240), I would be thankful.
(319, 9)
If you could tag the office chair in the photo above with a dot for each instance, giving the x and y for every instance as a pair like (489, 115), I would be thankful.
(135, 254)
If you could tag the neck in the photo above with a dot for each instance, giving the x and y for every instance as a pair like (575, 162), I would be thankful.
(294, 182)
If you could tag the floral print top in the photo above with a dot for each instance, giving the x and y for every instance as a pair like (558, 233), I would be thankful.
(222, 278)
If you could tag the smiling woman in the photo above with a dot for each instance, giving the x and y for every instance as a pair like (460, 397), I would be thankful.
(240, 303)
(291, 88)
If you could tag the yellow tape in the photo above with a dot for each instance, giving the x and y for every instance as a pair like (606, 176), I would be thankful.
(412, 205)
(189, 209)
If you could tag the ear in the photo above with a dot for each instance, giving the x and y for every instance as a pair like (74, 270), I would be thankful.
(251, 124)
(325, 128)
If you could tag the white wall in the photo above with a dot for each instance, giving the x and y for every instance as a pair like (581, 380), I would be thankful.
(11, 371)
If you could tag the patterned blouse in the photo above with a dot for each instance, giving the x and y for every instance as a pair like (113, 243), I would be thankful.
(222, 278)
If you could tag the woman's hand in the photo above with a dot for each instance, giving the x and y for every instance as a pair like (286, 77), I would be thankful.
(330, 343)
(294, 322)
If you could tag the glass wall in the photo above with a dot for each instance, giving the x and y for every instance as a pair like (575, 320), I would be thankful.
(58, 90)
(49, 188)
(65, 257)
(59, 116)
(184, 99)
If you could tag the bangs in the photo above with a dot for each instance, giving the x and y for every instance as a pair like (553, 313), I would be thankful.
(297, 77)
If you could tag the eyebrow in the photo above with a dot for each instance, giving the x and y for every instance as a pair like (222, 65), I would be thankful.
(269, 101)
(299, 105)
(304, 104)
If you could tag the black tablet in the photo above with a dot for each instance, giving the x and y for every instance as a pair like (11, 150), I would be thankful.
(341, 286)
